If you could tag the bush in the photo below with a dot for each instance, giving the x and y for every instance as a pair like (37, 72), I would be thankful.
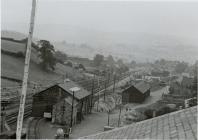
(165, 110)
(69, 64)
(149, 113)
(20, 54)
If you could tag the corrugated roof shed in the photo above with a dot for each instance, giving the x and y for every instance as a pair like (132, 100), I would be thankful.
(177, 125)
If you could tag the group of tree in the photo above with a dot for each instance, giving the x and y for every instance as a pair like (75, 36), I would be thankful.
(60, 57)
(98, 59)
(181, 67)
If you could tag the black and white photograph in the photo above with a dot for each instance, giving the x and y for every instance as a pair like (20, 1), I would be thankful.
(99, 69)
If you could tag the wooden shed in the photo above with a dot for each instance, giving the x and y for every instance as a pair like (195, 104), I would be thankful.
(136, 93)
(45, 100)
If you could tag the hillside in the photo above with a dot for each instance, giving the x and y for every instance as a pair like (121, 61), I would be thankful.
(128, 46)
(13, 67)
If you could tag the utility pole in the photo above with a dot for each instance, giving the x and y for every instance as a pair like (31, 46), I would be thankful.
(108, 117)
(114, 80)
(109, 78)
(92, 92)
(105, 88)
(26, 72)
(71, 123)
(98, 92)
(119, 115)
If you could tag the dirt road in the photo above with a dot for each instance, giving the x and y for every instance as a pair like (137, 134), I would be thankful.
(96, 121)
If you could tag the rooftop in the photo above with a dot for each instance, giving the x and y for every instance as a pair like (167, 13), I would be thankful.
(70, 85)
(141, 86)
(177, 125)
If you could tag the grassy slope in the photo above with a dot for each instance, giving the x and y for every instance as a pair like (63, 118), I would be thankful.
(13, 67)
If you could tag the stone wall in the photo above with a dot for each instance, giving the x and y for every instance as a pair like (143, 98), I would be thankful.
(61, 113)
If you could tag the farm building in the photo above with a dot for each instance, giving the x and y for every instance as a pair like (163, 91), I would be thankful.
(56, 102)
(136, 93)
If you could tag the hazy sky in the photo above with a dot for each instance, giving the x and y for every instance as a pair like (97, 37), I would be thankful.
(174, 18)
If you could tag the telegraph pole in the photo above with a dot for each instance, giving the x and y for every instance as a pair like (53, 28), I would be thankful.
(114, 80)
(92, 92)
(26, 72)
(98, 93)
(71, 123)
(119, 115)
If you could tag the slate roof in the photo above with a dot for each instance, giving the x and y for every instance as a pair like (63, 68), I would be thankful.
(177, 125)
(81, 93)
(67, 86)
(142, 86)
(69, 101)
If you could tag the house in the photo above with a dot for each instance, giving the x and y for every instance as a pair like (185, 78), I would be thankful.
(181, 124)
(136, 93)
(48, 102)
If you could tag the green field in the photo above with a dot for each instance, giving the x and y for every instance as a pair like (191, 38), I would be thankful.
(13, 67)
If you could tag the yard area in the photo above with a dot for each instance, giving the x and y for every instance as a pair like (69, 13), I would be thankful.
(95, 122)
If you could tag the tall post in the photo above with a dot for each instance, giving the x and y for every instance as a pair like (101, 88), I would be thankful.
(92, 92)
(119, 116)
(98, 93)
(108, 116)
(26, 72)
(2, 120)
(114, 80)
(105, 88)
(109, 77)
(71, 123)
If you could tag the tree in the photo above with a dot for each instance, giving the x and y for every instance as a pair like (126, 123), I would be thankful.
(81, 66)
(47, 55)
(133, 64)
(120, 62)
(162, 62)
(60, 56)
(181, 67)
(110, 60)
(98, 59)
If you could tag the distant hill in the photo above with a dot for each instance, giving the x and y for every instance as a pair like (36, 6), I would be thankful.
(128, 46)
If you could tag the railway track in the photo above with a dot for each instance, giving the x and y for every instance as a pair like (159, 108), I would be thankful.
(12, 118)
(33, 129)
